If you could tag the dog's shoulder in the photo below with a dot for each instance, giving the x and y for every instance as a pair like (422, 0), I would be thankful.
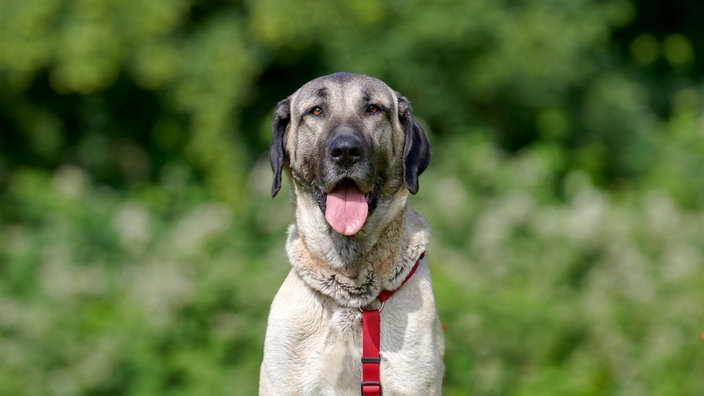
(295, 302)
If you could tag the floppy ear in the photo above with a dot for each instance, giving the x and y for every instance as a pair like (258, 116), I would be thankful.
(277, 155)
(416, 149)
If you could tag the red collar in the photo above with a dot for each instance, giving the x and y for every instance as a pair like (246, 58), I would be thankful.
(371, 334)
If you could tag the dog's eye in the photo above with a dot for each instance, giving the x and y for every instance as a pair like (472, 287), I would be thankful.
(374, 109)
(317, 110)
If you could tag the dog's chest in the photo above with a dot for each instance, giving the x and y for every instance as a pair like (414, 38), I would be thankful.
(338, 356)
(339, 353)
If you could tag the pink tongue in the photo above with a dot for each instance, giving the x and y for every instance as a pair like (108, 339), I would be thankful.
(346, 209)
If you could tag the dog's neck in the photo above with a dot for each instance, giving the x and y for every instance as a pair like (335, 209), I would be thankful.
(355, 269)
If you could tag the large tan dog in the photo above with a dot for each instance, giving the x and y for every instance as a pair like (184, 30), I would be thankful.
(353, 152)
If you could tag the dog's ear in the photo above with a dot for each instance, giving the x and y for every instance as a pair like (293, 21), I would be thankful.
(277, 153)
(416, 149)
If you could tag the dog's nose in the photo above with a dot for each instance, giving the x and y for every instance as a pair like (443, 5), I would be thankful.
(346, 150)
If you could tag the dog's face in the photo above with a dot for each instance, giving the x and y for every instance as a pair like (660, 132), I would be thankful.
(349, 142)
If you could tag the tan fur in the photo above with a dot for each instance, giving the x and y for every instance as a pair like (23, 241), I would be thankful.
(313, 339)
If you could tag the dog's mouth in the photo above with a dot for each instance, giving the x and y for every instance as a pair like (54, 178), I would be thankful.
(346, 207)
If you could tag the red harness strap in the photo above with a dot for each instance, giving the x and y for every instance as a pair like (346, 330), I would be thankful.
(371, 334)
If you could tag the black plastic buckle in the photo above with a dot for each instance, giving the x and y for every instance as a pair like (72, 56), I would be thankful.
(371, 383)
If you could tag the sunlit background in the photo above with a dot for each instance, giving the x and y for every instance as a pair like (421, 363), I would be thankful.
(140, 248)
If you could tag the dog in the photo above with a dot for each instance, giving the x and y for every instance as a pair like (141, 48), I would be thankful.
(353, 151)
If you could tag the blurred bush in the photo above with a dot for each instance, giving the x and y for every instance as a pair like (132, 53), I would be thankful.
(595, 293)
(139, 253)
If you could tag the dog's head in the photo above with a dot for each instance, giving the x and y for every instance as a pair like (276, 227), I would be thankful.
(350, 142)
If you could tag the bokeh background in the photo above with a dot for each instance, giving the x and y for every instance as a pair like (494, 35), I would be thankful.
(140, 248)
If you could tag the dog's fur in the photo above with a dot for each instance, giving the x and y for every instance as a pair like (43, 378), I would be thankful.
(313, 338)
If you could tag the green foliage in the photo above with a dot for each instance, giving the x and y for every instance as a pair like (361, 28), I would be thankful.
(597, 294)
(148, 294)
(139, 251)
